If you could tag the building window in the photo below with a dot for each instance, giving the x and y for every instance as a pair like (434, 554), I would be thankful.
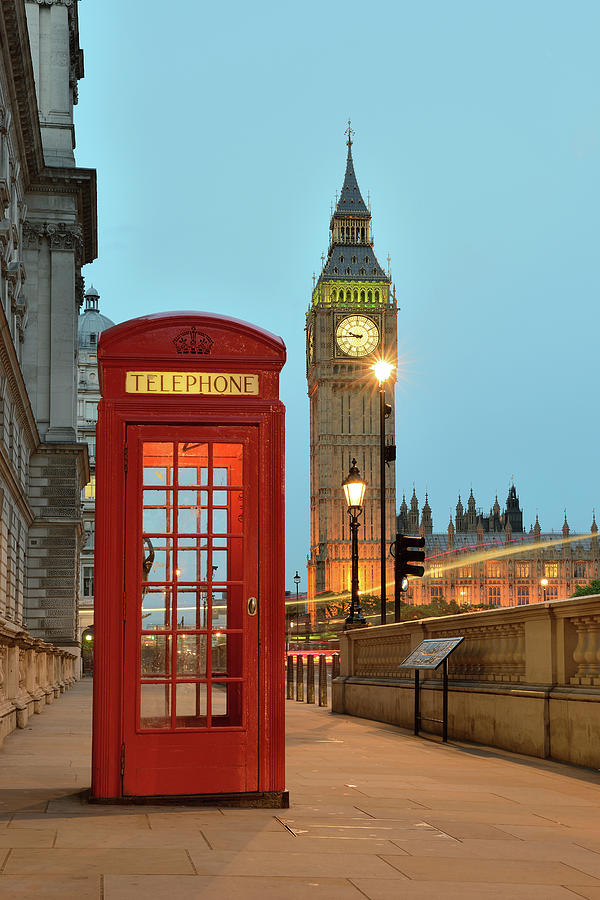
(522, 570)
(89, 491)
(493, 570)
(436, 592)
(464, 594)
(522, 594)
(494, 595)
(93, 338)
(551, 570)
(88, 581)
(579, 570)
(465, 572)
(552, 592)
(435, 571)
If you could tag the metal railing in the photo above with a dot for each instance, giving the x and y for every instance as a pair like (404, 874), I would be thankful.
(318, 675)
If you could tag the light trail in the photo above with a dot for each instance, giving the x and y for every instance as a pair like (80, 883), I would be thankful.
(464, 559)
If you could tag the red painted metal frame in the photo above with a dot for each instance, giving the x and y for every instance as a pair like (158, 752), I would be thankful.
(147, 344)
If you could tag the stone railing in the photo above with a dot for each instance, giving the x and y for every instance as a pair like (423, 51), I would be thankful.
(525, 678)
(32, 674)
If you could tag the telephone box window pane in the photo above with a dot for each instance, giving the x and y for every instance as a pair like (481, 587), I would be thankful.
(219, 521)
(157, 462)
(156, 608)
(219, 610)
(155, 706)
(191, 565)
(219, 565)
(156, 498)
(191, 655)
(158, 564)
(190, 705)
(192, 609)
(187, 498)
(229, 456)
(191, 457)
(219, 653)
(234, 656)
(219, 498)
(219, 477)
(226, 704)
(187, 520)
(156, 521)
(219, 700)
(155, 655)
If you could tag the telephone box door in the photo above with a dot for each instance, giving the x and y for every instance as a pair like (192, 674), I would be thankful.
(191, 611)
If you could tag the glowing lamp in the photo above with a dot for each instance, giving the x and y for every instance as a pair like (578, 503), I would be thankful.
(354, 488)
(543, 582)
(89, 637)
(382, 369)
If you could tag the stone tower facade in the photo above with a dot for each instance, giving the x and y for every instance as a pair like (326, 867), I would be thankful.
(351, 322)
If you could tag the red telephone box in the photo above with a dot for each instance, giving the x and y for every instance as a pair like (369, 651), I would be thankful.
(189, 610)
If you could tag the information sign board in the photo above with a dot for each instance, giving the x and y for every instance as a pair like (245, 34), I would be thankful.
(430, 653)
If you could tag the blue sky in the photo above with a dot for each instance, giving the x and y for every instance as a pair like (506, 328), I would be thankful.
(218, 135)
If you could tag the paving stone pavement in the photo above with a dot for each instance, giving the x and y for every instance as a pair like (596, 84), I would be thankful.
(375, 813)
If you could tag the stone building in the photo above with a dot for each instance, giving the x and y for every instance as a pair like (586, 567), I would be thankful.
(350, 323)
(91, 324)
(492, 560)
(47, 232)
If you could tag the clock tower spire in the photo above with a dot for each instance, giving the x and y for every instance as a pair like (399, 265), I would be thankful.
(351, 322)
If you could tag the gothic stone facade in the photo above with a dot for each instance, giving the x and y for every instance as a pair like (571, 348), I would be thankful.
(492, 560)
(350, 323)
(47, 232)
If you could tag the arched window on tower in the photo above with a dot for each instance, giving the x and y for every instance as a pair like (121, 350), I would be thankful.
(348, 296)
(370, 297)
(356, 296)
(333, 294)
(347, 270)
(362, 296)
(376, 296)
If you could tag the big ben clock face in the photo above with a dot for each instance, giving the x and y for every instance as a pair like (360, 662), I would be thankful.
(357, 335)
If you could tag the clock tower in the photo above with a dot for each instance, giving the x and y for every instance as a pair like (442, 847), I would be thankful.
(351, 323)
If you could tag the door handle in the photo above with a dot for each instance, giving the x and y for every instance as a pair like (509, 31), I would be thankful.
(252, 606)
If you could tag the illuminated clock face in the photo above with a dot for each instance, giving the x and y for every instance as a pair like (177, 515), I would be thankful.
(357, 335)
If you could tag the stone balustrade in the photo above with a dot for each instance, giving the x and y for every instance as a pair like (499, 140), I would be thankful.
(525, 678)
(32, 674)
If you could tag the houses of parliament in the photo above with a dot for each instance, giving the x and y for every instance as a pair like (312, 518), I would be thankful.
(492, 560)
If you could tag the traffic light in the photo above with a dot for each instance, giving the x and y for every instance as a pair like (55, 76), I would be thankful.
(406, 556)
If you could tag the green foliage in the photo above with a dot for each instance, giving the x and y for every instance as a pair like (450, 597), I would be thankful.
(584, 590)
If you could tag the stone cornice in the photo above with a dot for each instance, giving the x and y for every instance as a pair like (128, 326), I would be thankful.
(60, 236)
(16, 54)
(82, 184)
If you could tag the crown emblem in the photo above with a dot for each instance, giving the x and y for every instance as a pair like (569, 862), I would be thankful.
(191, 341)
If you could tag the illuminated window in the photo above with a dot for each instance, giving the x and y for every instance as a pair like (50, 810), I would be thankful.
(435, 571)
(464, 595)
(494, 595)
(493, 570)
(465, 572)
(551, 570)
(522, 594)
(89, 491)
(522, 570)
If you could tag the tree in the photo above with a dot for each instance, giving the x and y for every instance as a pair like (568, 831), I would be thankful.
(584, 590)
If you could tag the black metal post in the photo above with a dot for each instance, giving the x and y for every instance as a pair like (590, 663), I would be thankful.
(290, 678)
(417, 710)
(322, 680)
(445, 703)
(356, 614)
(382, 501)
(310, 679)
(299, 679)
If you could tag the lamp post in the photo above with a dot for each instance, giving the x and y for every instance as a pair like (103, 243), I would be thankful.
(354, 489)
(544, 584)
(382, 370)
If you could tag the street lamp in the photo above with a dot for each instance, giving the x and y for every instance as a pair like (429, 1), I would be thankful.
(544, 584)
(382, 369)
(354, 489)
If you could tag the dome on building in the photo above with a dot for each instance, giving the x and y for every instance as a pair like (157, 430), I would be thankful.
(91, 321)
